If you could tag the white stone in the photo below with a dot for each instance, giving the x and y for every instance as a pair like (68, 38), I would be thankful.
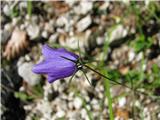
(94, 101)
(33, 31)
(7, 10)
(70, 2)
(45, 34)
(84, 114)
(48, 92)
(131, 55)
(15, 21)
(77, 103)
(25, 71)
(48, 27)
(104, 6)
(117, 33)
(139, 56)
(137, 103)
(100, 40)
(73, 115)
(60, 113)
(5, 34)
(23, 4)
(34, 19)
(84, 7)
(122, 101)
(70, 105)
(84, 23)
(147, 2)
(53, 38)
(61, 21)
(8, 27)
(27, 17)
(159, 115)
(45, 108)
(95, 104)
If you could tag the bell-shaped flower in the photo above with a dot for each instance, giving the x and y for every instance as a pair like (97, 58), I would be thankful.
(57, 64)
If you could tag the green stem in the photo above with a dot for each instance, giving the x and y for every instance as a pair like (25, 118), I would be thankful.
(29, 8)
(104, 75)
(108, 94)
(107, 89)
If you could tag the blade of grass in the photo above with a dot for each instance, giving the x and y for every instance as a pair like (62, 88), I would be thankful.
(89, 113)
(29, 8)
(107, 81)
(133, 97)
(108, 94)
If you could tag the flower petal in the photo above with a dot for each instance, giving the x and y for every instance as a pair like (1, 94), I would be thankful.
(49, 52)
(52, 66)
(62, 73)
(51, 79)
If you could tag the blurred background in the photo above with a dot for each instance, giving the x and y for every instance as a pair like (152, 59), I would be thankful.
(119, 39)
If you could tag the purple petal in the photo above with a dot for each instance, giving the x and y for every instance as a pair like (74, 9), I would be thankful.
(56, 69)
(62, 73)
(52, 65)
(49, 52)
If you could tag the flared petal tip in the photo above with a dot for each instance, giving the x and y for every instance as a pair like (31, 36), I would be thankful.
(35, 70)
(51, 79)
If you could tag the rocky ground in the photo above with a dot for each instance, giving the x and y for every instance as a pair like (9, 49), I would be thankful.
(121, 37)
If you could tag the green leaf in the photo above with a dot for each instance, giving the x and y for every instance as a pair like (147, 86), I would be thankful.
(23, 96)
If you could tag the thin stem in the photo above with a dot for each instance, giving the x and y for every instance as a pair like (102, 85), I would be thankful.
(70, 80)
(135, 91)
(87, 77)
(79, 51)
(104, 75)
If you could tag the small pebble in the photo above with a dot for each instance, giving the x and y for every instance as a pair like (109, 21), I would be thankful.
(45, 34)
(7, 10)
(118, 33)
(33, 31)
(122, 102)
(25, 71)
(53, 38)
(60, 113)
(84, 7)
(84, 23)
(77, 103)
(131, 55)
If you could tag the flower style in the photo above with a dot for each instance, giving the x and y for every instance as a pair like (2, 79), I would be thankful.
(58, 63)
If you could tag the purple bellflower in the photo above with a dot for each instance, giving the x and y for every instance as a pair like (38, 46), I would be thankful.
(60, 63)
(57, 64)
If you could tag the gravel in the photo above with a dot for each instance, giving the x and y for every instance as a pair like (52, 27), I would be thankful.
(83, 8)
(77, 103)
(33, 31)
(93, 24)
(5, 36)
(84, 23)
(25, 71)
(117, 33)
